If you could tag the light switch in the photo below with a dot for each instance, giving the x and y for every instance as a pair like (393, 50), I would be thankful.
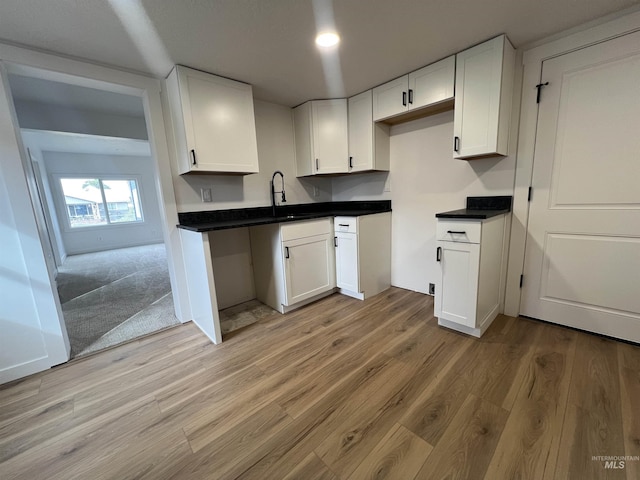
(205, 193)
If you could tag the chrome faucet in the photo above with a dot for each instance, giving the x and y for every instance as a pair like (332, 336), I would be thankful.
(273, 191)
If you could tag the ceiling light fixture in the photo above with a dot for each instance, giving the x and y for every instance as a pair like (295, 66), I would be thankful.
(327, 39)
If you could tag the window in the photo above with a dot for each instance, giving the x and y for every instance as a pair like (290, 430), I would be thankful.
(85, 200)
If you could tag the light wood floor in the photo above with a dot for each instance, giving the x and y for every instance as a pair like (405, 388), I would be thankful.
(340, 389)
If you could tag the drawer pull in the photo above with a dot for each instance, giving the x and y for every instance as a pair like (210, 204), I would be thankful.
(343, 224)
(457, 232)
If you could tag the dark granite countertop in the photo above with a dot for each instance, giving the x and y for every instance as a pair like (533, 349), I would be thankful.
(480, 208)
(249, 217)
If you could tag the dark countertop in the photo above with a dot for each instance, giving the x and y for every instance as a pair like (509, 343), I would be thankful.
(249, 217)
(480, 208)
(471, 214)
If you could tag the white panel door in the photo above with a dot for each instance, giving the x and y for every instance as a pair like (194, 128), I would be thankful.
(433, 83)
(219, 123)
(361, 132)
(347, 261)
(391, 98)
(582, 261)
(330, 140)
(309, 266)
(456, 296)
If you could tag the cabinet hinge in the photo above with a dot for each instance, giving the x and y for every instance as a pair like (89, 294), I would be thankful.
(530, 194)
(521, 280)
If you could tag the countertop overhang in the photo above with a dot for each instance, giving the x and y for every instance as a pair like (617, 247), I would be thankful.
(249, 217)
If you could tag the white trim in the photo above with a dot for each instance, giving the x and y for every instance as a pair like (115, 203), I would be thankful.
(532, 61)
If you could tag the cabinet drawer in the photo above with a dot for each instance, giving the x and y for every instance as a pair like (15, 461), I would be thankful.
(464, 231)
(346, 224)
(302, 229)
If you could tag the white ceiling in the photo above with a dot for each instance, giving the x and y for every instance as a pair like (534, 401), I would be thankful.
(269, 43)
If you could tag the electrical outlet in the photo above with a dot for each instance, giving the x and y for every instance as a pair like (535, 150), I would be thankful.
(432, 289)
(205, 193)
(316, 191)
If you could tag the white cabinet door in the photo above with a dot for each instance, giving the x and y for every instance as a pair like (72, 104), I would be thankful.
(456, 298)
(432, 84)
(309, 266)
(214, 123)
(321, 138)
(361, 152)
(391, 98)
(347, 273)
(484, 85)
(330, 140)
(368, 141)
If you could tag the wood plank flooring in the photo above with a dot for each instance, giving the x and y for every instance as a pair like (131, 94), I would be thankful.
(340, 389)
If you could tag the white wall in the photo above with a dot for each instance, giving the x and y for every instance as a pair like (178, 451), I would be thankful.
(232, 266)
(425, 180)
(274, 129)
(44, 116)
(92, 239)
(362, 186)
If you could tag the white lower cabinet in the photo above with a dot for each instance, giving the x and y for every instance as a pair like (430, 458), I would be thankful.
(308, 267)
(293, 263)
(363, 254)
(470, 254)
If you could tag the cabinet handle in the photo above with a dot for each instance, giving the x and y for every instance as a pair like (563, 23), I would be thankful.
(317, 168)
(404, 99)
(350, 162)
(335, 241)
(410, 96)
(286, 252)
(456, 144)
(459, 232)
(193, 157)
(438, 254)
(343, 224)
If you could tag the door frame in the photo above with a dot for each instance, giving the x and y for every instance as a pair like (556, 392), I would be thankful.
(22, 61)
(608, 28)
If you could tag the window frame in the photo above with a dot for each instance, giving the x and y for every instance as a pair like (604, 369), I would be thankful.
(58, 177)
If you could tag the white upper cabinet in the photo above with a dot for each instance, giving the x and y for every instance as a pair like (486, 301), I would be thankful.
(321, 137)
(213, 123)
(368, 141)
(390, 99)
(484, 87)
(431, 85)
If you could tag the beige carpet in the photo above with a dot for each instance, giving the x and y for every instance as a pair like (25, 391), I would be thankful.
(114, 296)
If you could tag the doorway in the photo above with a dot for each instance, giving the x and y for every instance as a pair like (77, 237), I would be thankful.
(96, 187)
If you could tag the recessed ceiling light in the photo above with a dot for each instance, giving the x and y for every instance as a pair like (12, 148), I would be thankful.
(327, 39)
